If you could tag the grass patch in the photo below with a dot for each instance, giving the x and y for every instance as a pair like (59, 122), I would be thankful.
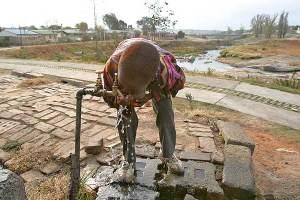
(26, 159)
(11, 146)
(85, 192)
(86, 51)
(33, 82)
(55, 187)
(263, 49)
(291, 86)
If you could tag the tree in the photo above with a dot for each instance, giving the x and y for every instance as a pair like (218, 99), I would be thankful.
(32, 27)
(160, 15)
(257, 24)
(54, 27)
(146, 25)
(229, 30)
(82, 26)
(283, 24)
(269, 25)
(180, 34)
(111, 21)
(242, 30)
(43, 27)
(122, 25)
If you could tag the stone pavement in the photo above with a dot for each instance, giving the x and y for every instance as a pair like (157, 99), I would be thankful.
(44, 116)
(271, 105)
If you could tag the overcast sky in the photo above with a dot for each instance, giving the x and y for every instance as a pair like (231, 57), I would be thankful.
(191, 14)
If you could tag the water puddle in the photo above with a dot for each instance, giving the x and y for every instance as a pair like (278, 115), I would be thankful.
(203, 62)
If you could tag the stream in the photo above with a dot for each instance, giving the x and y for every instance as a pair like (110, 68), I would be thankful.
(203, 62)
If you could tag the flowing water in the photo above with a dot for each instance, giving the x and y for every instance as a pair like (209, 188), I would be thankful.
(203, 62)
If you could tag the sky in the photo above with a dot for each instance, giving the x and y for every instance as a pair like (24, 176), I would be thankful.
(191, 14)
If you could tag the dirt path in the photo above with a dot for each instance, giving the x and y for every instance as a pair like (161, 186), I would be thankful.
(277, 165)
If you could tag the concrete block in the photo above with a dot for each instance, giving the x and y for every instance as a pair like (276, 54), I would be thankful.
(197, 156)
(233, 133)
(238, 178)
(198, 181)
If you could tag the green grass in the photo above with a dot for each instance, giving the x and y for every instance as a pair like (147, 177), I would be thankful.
(285, 86)
(11, 146)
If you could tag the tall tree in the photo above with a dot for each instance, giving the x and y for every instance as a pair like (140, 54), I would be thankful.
(257, 24)
(229, 30)
(55, 27)
(82, 26)
(111, 21)
(161, 16)
(146, 25)
(269, 25)
(122, 25)
(283, 24)
(242, 30)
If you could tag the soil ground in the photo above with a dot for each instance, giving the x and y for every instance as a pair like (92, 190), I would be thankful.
(276, 157)
(85, 51)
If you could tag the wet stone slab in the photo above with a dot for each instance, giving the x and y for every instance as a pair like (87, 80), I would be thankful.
(198, 180)
(116, 191)
(152, 182)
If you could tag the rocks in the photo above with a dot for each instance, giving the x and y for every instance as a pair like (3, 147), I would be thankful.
(217, 157)
(11, 186)
(4, 156)
(198, 180)
(238, 178)
(116, 191)
(147, 170)
(102, 176)
(234, 134)
(94, 148)
(202, 134)
(32, 175)
(145, 151)
(207, 144)
(51, 167)
(197, 156)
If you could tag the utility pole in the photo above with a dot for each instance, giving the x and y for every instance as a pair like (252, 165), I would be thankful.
(21, 39)
(96, 30)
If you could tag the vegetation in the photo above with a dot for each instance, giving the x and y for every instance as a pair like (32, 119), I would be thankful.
(69, 51)
(113, 22)
(27, 159)
(161, 17)
(267, 25)
(263, 49)
(82, 26)
(33, 82)
(54, 187)
(180, 34)
(11, 146)
(283, 24)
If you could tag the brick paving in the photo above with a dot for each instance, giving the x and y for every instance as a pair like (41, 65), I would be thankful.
(44, 116)
(45, 113)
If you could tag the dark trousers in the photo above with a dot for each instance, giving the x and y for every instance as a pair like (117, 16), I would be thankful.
(165, 124)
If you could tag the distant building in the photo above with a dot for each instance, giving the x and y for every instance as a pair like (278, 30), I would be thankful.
(298, 30)
(20, 36)
(47, 36)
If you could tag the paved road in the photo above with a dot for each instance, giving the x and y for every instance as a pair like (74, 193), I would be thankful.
(272, 105)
